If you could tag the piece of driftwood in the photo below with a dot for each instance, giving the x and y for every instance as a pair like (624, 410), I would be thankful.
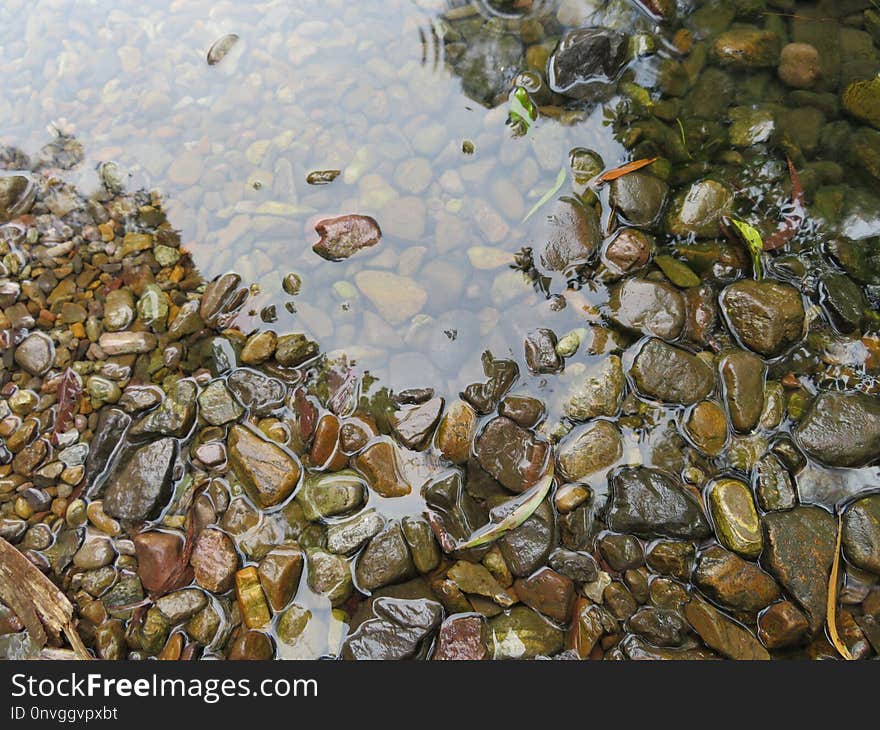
(37, 602)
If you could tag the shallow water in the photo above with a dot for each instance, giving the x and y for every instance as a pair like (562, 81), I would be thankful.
(410, 102)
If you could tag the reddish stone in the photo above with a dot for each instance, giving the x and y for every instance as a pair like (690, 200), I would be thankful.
(549, 592)
(461, 638)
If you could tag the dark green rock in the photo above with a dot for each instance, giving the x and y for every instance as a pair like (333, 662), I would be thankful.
(651, 503)
(842, 429)
(671, 374)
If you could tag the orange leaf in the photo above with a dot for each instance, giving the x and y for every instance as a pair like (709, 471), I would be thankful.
(626, 169)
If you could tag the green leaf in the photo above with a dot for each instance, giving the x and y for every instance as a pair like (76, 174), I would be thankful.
(560, 178)
(522, 112)
(754, 242)
(517, 511)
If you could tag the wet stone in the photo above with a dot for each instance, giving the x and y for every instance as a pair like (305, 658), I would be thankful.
(522, 633)
(461, 638)
(214, 561)
(329, 495)
(639, 197)
(217, 406)
(774, 486)
(571, 234)
(378, 464)
(652, 308)
(279, 572)
(548, 592)
(742, 375)
(422, 545)
(659, 627)
(621, 552)
(706, 426)
(733, 583)
(628, 252)
(256, 392)
(598, 392)
(397, 631)
(671, 374)
(347, 537)
(844, 301)
(589, 449)
(799, 547)
(294, 350)
(174, 416)
(861, 533)
(700, 210)
(414, 425)
(651, 503)
(619, 601)
(157, 554)
(251, 646)
(528, 546)
(736, 520)
(587, 61)
(181, 605)
(512, 455)
(329, 575)
(35, 353)
(578, 566)
(767, 316)
(671, 557)
(259, 347)
(386, 559)
(523, 410)
(722, 633)
(540, 352)
(842, 429)
(501, 374)
(456, 432)
(475, 579)
(141, 484)
(268, 472)
(346, 235)
(782, 625)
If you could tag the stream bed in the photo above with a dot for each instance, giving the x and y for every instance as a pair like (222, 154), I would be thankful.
(443, 330)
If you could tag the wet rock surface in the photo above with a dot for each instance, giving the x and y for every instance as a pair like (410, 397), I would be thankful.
(842, 429)
(799, 549)
(649, 502)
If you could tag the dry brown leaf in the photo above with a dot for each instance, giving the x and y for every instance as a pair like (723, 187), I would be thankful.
(626, 169)
(39, 604)
(831, 613)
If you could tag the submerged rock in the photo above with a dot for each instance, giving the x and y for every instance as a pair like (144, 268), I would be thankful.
(651, 503)
(766, 316)
(799, 548)
(639, 197)
(398, 630)
(511, 454)
(346, 235)
(842, 429)
(648, 307)
(266, 471)
(722, 633)
(141, 485)
(588, 449)
(742, 374)
(733, 583)
(671, 374)
(570, 235)
(597, 393)
(700, 210)
(587, 61)
(861, 533)
(523, 633)
(747, 48)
